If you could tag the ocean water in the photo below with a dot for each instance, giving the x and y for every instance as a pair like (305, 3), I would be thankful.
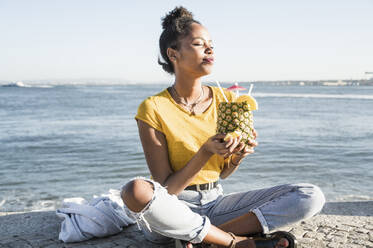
(59, 142)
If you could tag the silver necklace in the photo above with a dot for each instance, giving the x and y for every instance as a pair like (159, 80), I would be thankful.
(189, 106)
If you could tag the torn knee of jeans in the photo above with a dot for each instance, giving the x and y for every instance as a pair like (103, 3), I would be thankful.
(138, 194)
(139, 215)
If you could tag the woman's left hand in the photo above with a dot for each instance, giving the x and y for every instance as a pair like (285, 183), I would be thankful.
(242, 150)
(237, 153)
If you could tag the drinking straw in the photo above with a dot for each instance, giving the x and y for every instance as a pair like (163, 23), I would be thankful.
(221, 90)
(251, 88)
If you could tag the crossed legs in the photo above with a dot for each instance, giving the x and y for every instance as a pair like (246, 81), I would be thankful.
(138, 193)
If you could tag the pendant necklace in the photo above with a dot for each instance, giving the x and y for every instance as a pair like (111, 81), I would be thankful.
(189, 106)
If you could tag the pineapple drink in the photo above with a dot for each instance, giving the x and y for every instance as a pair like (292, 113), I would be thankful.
(236, 118)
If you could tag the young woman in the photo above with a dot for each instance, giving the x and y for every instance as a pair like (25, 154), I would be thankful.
(186, 158)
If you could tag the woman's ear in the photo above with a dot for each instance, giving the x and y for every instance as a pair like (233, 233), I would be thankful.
(171, 53)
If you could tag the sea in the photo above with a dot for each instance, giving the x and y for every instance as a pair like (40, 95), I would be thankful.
(59, 142)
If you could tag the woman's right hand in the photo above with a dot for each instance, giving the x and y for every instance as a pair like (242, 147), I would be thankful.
(217, 145)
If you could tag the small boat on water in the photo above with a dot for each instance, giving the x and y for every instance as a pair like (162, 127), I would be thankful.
(17, 84)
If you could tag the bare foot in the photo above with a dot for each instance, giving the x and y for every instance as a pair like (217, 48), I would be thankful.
(282, 243)
(189, 245)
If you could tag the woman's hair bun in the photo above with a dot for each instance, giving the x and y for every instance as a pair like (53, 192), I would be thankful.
(179, 12)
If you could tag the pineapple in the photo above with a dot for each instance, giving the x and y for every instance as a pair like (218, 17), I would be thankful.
(250, 100)
(236, 118)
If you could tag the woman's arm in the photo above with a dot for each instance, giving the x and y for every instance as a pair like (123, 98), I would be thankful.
(228, 169)
(156, 153)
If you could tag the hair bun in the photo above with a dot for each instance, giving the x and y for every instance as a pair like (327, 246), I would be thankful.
(178, 12)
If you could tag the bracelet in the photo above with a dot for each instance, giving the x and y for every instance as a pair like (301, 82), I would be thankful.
(235, 165)
(233, 242)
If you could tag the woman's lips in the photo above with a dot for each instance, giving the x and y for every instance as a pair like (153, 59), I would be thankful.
(208, 60)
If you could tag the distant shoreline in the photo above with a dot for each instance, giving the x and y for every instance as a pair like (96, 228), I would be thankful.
(118, 82)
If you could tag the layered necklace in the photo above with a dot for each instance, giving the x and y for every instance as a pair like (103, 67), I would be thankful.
(189, 106)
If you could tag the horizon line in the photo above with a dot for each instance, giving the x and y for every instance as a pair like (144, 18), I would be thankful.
(126, 81)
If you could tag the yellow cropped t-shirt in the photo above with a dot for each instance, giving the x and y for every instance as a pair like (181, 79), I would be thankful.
(185, 133)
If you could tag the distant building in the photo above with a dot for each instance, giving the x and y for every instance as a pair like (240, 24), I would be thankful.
(338, 83)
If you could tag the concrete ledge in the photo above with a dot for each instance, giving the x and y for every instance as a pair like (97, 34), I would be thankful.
(340, 224)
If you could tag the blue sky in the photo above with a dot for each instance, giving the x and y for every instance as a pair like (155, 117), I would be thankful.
(254, 40)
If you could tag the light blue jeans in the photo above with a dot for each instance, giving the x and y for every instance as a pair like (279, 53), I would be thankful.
(189, 215)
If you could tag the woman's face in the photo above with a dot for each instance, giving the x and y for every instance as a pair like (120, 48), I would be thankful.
(195, 55)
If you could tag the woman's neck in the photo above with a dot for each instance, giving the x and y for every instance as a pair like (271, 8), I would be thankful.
(188, 88)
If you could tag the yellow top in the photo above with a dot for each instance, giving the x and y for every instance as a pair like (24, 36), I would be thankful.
(185, 133)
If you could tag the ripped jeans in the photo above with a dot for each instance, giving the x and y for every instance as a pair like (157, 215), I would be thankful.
(189, 215)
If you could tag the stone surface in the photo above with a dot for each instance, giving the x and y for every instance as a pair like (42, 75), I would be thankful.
(343, 224)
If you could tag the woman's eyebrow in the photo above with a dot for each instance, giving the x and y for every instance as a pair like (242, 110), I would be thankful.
(201, 38)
